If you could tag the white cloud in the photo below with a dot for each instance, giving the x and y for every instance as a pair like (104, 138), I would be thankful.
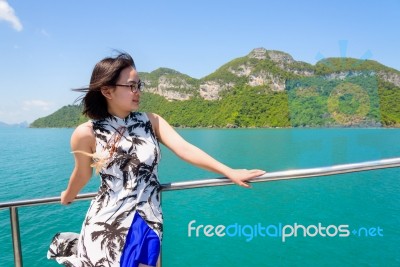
(36, 104)
(7, 14)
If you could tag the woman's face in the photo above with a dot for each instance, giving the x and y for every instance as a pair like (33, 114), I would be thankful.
(123, 99)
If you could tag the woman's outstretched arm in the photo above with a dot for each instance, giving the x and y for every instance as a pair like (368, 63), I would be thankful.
(192, 154)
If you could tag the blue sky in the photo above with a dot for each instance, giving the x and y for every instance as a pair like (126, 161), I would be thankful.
(48, 47)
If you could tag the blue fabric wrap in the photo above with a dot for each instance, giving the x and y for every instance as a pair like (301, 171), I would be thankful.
(142, 245)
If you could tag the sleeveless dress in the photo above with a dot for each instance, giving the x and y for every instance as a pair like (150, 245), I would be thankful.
(123, 226)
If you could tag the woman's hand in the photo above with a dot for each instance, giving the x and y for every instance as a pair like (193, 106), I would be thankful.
(240, 176)
(65, 200)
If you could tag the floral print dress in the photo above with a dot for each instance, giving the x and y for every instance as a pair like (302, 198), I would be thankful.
(123, 226)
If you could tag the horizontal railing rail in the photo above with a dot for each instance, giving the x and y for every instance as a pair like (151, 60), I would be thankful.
(291, 174)
(268, 177)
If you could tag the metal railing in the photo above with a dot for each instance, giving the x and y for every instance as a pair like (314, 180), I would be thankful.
(268, 177)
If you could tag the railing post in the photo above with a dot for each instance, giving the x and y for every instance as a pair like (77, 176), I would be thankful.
(159, 262)
(15, 236)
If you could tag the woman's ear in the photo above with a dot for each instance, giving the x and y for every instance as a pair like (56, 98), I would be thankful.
(106, 92)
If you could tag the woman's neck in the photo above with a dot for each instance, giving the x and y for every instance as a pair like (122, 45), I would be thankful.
(119, 114)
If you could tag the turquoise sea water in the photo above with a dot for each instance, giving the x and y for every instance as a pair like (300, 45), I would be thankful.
(37, 163)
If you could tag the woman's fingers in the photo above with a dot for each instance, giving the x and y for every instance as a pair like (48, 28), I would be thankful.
(245, 185)
(244, 175)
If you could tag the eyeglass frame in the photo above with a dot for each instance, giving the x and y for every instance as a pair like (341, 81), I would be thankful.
(135, 86)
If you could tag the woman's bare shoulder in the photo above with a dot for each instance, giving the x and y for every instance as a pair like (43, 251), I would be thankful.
(155, 122)
(153, 117)
(84, 131)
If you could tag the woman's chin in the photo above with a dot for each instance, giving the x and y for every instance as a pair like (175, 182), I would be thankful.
(135, 106)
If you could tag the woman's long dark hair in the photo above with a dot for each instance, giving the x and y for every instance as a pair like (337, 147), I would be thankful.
(105, 73)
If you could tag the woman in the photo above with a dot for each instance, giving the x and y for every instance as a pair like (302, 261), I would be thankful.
(123, 226)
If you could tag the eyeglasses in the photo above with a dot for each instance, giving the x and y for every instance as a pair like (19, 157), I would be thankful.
(135, 87)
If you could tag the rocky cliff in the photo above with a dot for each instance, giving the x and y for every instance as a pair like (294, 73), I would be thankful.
(267, 88)
(261, 67)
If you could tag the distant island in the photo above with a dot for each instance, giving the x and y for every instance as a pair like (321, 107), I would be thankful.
(24, 124)
(268, 88)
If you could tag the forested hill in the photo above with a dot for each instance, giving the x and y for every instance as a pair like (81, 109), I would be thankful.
(268, 89)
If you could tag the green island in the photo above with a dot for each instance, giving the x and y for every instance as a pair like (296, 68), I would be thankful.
(267, 88)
